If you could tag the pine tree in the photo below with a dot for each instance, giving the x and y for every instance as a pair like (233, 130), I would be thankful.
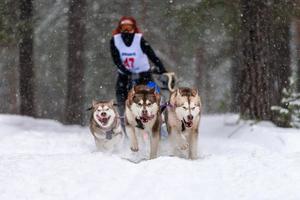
(287, 114)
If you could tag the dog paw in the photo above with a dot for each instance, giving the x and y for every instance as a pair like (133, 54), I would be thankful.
(184, 146)
(134, 148)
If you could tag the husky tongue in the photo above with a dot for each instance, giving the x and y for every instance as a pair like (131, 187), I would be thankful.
(146, 118)
(103, 120)
(188, 123)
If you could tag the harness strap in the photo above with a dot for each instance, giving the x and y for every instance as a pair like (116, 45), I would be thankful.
(165, 105)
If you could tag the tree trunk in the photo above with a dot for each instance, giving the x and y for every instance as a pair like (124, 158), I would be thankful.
(255, 101)
(144, 13)
(26, 59)
(202, 78)
(75, 84)
(298, 53)
(12, 81)
(265, 59)
(200, 68)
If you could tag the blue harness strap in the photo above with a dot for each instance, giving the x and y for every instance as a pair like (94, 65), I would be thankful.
(152, 84)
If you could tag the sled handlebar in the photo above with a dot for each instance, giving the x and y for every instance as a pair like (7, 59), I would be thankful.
(171, 81)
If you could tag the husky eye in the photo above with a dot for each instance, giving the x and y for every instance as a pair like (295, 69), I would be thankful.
(193, 108)
(185, 108)
(140, 104)
(148, 104)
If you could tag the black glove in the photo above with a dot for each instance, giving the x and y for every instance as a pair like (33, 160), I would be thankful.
(123, 70)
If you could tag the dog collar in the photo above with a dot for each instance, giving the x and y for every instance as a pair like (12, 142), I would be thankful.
(108, 135)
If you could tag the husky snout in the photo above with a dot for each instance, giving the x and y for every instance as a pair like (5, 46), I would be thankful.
(144, 112)
(190, 117)
(103, 114)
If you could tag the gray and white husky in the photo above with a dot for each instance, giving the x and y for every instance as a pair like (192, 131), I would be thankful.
(183, 118)
(142, 115)
(105, 126)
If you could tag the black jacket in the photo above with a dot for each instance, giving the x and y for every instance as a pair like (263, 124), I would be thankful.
(146, 48)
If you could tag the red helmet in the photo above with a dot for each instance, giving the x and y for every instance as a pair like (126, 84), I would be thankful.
(126, 21)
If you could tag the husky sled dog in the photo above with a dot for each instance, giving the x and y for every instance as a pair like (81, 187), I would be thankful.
(142, 114)
(183, 117)
(105, 126)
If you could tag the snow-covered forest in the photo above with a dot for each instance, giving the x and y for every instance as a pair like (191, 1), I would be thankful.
(243, 56)
(204, 42)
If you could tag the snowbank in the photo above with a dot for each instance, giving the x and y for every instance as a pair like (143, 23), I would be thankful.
(43, 159)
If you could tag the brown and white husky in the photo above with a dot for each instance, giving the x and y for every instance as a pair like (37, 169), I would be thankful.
(183, 118)
(105, 126)
(142, 115)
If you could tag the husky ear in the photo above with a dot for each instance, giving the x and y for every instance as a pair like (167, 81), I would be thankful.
(89, 108)
(111, 102)
(94, 103)
(173, 97)
(157, 97)
(177, 92)
(114, 104)
(130, 95)
(152, 90)
(194, 92)
(134, 89)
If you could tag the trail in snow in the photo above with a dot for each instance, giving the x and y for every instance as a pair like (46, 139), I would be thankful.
(42, 159)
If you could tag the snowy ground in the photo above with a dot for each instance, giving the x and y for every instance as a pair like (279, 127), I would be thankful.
(42, 159)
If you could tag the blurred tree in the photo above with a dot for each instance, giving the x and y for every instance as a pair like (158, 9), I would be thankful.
(266, 57)
(75, 84)
(26, 58)
(9, 56)
(256, 60)
(295, 13)
(8, 14)
(280, 44)
(298, 54)
(203, 22)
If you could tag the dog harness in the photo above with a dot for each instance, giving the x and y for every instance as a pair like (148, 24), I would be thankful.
(133, 58)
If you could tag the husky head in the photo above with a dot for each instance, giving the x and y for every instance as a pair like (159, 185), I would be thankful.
(187, 105)
(144, 102)
(104, 113)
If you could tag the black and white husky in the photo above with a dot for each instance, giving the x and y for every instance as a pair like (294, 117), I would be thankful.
(142, 115)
